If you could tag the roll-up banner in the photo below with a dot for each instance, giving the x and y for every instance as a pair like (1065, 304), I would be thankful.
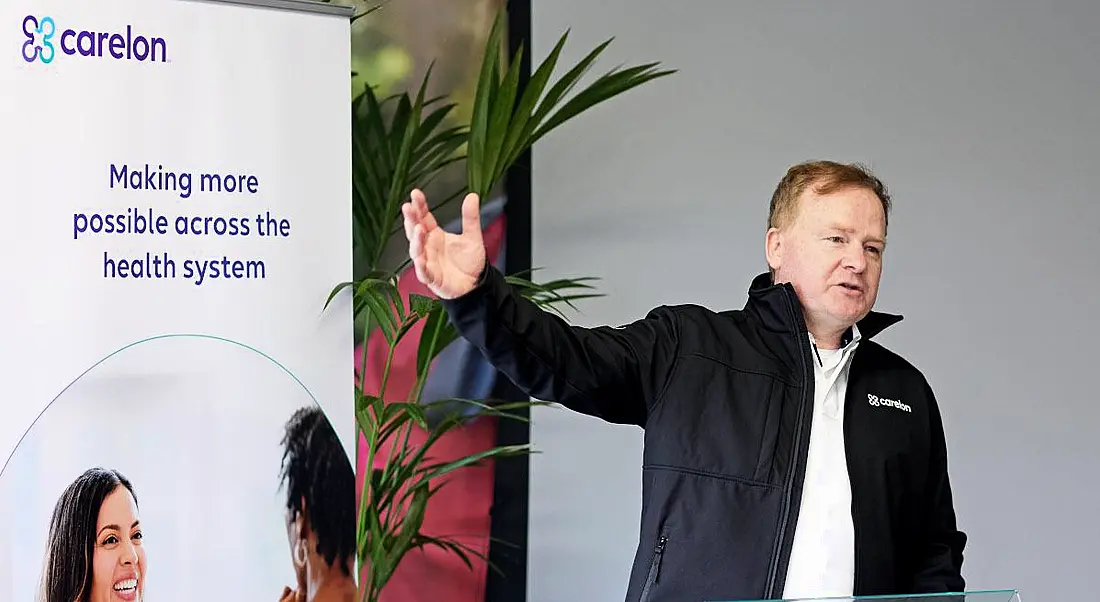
(176, 414)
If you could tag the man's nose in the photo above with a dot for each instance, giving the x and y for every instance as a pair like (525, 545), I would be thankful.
(855, 259)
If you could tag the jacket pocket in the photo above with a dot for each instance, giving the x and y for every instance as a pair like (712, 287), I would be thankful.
(654, 568)
(732, 427)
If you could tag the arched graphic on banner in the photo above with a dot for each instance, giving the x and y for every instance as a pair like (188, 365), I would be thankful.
(204, 428)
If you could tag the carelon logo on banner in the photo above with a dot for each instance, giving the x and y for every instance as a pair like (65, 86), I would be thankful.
(46, 40)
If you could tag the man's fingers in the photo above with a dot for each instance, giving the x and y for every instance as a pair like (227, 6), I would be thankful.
(471, 215)
(423, 212)
(416, 243)
(420, 201)
(417, 198)
(421, 261)
(425, 265)
(408, 211)
(422, 272)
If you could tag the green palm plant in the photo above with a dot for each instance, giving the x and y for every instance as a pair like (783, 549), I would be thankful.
(400, 143)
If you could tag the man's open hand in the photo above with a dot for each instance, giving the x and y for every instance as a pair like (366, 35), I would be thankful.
(448, 264)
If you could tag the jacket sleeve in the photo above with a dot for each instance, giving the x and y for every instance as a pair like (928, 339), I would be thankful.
(615, 374)
(939, 562)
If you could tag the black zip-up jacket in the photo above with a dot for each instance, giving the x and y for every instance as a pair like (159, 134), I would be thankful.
(726, 401)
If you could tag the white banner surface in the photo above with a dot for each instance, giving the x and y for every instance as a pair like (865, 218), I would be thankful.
(175, 191)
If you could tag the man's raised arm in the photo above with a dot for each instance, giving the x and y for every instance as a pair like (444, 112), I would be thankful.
(612, 373)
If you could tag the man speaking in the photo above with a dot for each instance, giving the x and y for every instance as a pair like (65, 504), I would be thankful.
(787, 454)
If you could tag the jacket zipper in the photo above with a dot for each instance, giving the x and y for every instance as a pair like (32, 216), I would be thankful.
(855, 499)
(817, 351)
(654, 568)
(805, 347)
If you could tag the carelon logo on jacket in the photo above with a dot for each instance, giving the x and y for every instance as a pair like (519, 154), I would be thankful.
(46, 40)
(877, 401)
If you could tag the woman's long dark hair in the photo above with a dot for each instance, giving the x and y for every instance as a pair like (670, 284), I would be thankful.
(67, 575)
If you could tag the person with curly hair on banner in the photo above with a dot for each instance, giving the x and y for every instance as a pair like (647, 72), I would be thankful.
(320, 503)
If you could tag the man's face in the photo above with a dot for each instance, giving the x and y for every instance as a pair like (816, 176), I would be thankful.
(832, 254)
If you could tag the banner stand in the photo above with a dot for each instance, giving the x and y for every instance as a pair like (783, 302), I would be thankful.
(176, 188)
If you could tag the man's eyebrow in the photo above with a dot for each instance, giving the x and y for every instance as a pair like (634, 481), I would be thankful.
(840, 228)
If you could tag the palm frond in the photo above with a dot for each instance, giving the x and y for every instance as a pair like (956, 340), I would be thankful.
(404, 141)
(506, 123)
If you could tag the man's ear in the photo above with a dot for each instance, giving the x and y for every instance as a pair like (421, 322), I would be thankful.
(773, 248)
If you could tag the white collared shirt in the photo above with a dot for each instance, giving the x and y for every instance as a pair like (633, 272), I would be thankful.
(823, 554)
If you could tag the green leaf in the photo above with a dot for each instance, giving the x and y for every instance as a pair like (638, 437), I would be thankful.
(441, 469)
(369, 171)
(502, 129)
(499, 120)
(404, 328)
(549, 294)
(569, 80)
(608, 86)
(432, 162)
(397, 415)
(365, 412)
(382, 301)
(416, 414)
(371, 174)
(370, 9)
(390, 157)
(399, 184)
(421, 305)
(336, 291)
(438, 334)
(484, 97)
(497, 409)
(423, 138)
(524, 122)
(410, 527)
(459, 549)
(399, 126)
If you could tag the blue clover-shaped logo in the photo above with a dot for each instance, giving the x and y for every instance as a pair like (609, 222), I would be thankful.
(39, 33)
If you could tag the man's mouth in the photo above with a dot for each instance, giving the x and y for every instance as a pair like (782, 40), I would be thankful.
(851, 287)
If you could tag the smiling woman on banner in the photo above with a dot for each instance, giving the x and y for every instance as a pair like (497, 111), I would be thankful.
(94, 552)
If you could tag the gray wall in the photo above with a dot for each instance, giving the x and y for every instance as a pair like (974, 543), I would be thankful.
(982, 118)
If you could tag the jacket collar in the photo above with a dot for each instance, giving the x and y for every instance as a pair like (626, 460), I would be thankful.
(778, 308)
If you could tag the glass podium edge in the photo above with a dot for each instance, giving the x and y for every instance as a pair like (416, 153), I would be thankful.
(982, 595)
